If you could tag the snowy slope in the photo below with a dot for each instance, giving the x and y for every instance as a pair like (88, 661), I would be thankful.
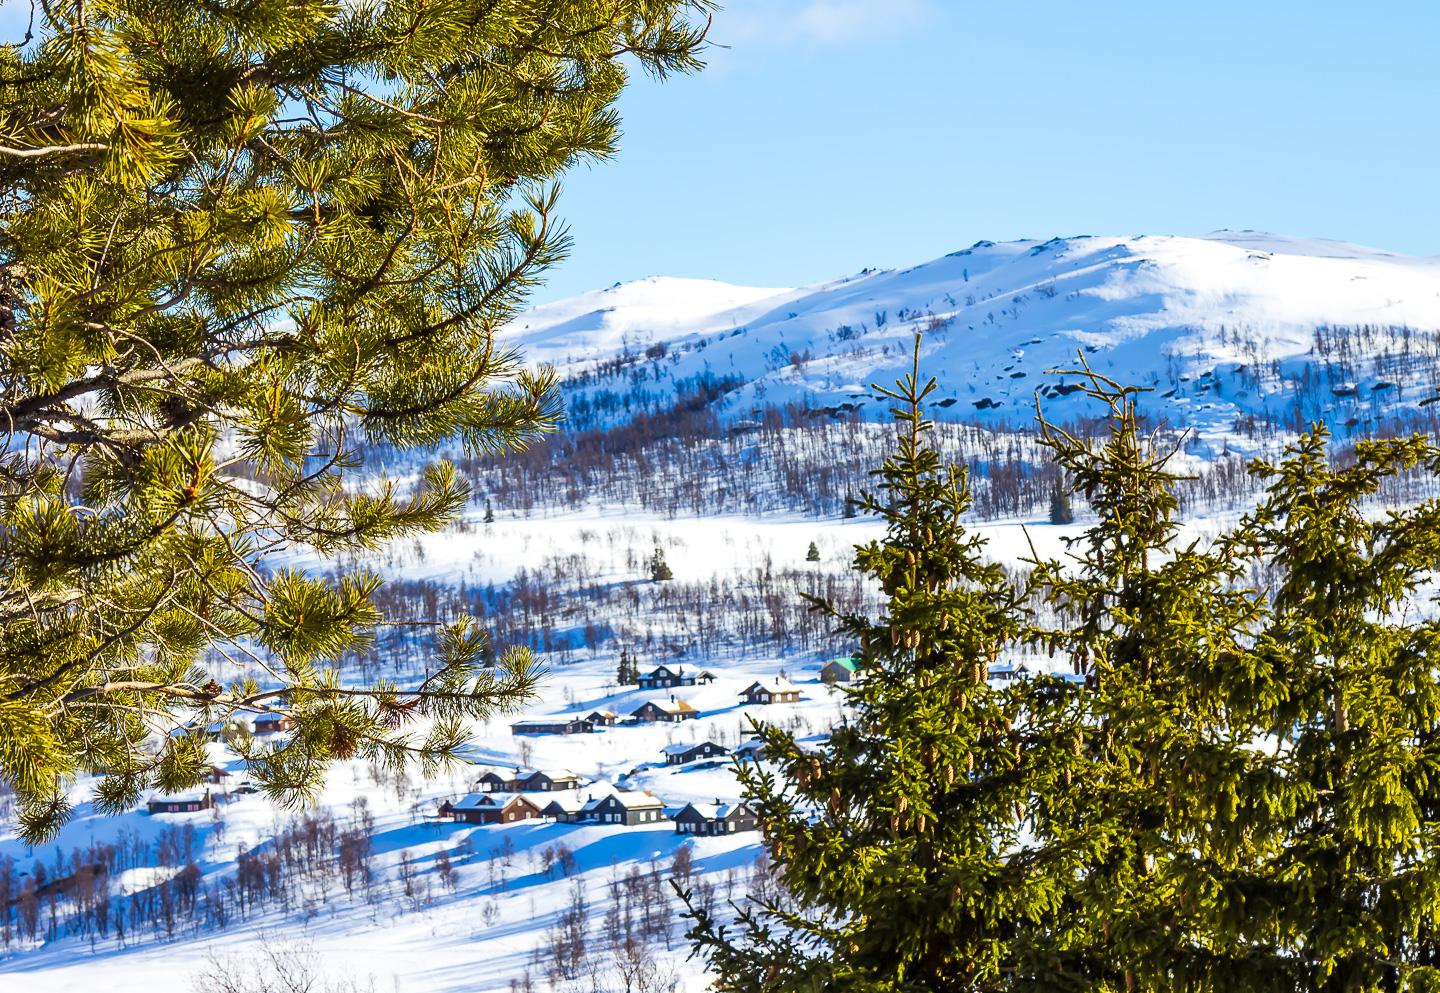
(1220, 326)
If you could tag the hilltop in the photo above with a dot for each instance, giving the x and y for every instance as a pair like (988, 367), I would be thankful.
(1230, 331)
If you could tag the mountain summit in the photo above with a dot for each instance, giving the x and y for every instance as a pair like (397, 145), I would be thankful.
(1233, 327)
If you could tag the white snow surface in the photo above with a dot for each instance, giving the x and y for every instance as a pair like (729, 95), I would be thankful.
(447, 947)
(1154, 311)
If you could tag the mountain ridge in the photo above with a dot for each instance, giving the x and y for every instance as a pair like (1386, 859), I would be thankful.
(1222, 328)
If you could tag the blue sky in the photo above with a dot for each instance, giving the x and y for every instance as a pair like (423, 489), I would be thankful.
(837, 134)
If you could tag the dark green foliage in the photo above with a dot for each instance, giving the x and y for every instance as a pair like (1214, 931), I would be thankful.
(237, 242)
(659, 569)
(489, 512)
(626, 672)
(1159, 630)
(1237, 793)
(904, 842)
(1355, 890)
(1060, 510)
(812, 554)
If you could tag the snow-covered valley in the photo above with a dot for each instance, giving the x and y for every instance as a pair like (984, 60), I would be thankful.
(724, 426)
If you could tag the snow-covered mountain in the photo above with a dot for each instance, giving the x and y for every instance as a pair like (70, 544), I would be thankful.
(1225, 328)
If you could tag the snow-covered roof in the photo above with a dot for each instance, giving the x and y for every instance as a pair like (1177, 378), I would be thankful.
(552, 773)
(714, 810)
(473, 800)
(670, 706)
(680, 748)
(635, 800)
(189, 796)
(570, 801)
(773, 684)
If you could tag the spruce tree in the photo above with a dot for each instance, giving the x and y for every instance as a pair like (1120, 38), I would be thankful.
(903, 844)
(240, 242)
(1168, 810)
(1060, 510)
(1353, 896)
(659, 569)
(812, 554)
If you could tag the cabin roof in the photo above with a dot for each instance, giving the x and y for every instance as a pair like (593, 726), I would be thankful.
(569, 801)
(772, 684)
(680, 748)
(715, 810)
(189, 796)
(669, 706)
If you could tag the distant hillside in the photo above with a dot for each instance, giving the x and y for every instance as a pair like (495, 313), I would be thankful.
(1236, 333)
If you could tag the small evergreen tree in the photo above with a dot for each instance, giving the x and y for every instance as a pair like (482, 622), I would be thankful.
(1060, 510)
(904, 844)
(626, 673)
(489, 512)
(659, 568)
(813, 553)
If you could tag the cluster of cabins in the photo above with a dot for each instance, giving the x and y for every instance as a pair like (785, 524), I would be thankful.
(217, 788)
(775, 689)
(555, 796)
(499, 800)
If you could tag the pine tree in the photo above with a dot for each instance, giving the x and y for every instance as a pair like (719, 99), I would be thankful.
(659, 569)
(240, 242)
(489, 512)
(813, 553)
(903, 844)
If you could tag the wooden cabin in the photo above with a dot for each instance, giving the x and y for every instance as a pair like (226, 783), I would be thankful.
(715, 818)
(553, 725)
(750, 751)
(845, 670)
(672, 711)
(274, 723)
(663, 678)
(567, 807)
(777, 689)
(186, 803)
(628, 809)
(680, 753)
(543, 781)
(494, 808)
